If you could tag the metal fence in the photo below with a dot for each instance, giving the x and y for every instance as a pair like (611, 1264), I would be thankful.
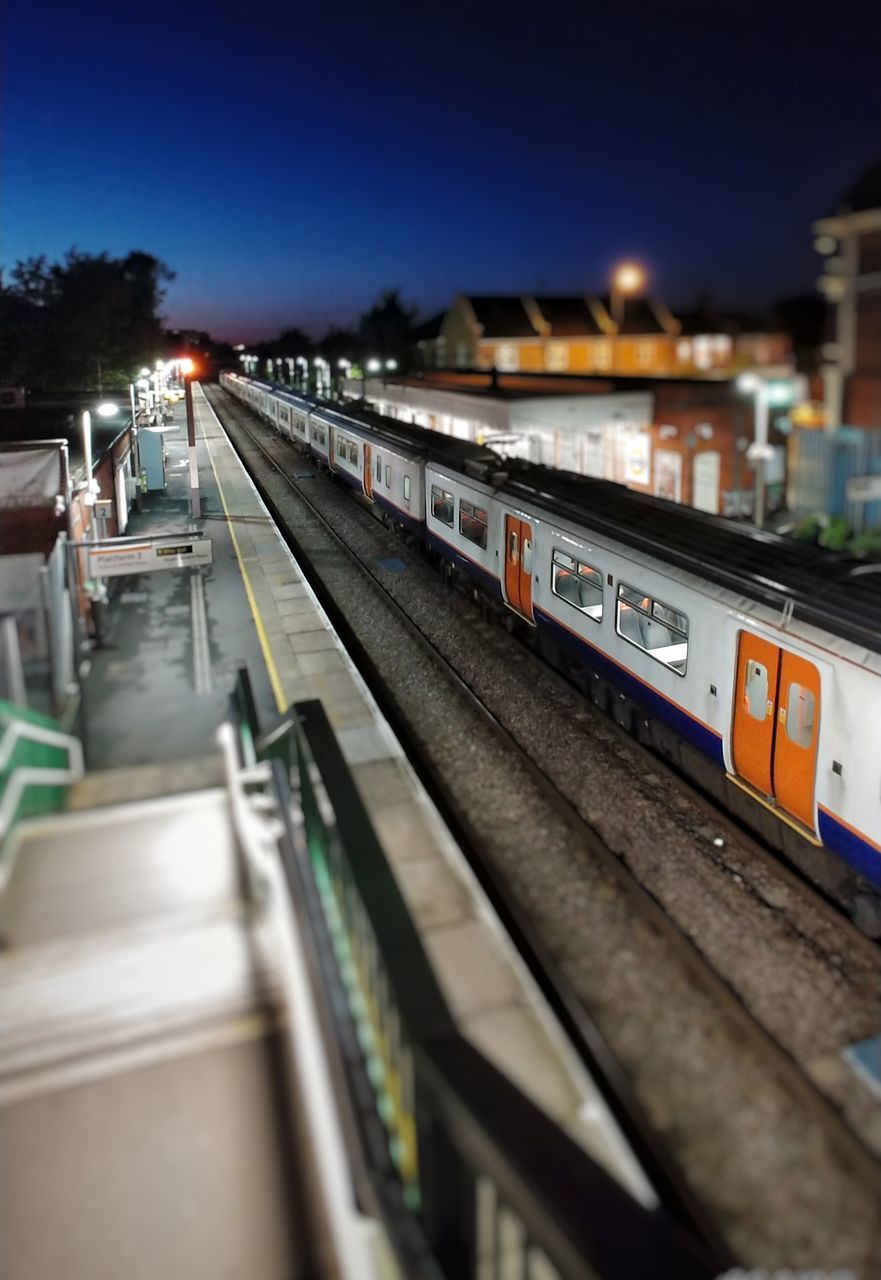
(470, 1177)
(821, 465)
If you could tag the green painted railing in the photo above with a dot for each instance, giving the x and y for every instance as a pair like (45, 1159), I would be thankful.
(37, 763)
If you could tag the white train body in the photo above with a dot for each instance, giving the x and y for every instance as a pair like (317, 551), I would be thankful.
(778, 715)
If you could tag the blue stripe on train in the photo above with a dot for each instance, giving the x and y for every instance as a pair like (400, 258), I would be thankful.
(849, 846)
(414, 525)
(474, 570)
(856, 851)
(704, 739)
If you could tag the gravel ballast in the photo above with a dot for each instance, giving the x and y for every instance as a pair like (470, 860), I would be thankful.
(778, 1181)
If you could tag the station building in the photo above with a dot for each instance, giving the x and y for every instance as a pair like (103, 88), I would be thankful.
(680, 439)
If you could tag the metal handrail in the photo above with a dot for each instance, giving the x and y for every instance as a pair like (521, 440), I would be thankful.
(23, 776)
(453, 1148)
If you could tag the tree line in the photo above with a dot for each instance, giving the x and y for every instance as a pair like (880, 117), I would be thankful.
(385, 332)
(91, 321)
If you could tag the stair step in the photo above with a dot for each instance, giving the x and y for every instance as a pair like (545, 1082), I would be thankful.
(144, 782)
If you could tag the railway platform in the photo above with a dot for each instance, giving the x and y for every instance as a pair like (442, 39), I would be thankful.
(263, 1019)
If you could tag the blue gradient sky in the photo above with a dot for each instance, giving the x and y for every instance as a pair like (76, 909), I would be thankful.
(288, 162)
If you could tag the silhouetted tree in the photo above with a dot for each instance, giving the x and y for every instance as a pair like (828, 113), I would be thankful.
(386, 330)
(89, 321)
(339, 343)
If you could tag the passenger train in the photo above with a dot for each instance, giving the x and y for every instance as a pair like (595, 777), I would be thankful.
(751, 661)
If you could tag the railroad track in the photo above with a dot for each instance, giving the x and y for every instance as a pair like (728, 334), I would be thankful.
(582, 1029)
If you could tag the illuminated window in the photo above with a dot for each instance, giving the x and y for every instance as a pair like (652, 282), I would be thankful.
(578, 584)
(406, 488)
(472, 523)
(557, 357)
(388, 477)
(755, 689)
(800, 715)
(683, 351)
(442, 505)
(602, 354)
(645, 354)
(507, 358)
(660, 631)
(703, 352)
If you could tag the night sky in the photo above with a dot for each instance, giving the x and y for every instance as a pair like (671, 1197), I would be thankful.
(289, 161)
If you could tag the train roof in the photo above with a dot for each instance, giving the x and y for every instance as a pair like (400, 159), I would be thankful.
(828, 589)
(464, 455)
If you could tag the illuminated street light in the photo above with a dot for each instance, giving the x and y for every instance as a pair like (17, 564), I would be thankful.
(391, 364)
(345, 365)
(144, 373)
(107, 410)
(628, 278)
(373, 366)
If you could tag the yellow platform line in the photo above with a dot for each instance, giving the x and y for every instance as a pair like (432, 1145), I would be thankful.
(274, 678)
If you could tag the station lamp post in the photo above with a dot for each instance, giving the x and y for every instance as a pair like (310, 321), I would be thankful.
(187, 368)
(628, 278)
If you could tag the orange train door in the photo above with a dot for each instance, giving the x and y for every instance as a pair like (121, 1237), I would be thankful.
(752, 742)
(368, 472)
(518, 565)
(774, 733)
(795, 743)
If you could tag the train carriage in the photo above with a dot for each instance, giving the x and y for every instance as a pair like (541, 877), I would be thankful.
(764, 685)
(751, 661)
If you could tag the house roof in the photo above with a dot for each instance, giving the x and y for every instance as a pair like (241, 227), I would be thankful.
(865, 192)
(429, 329)
(640, 315)
(502, 317)
(568, 317)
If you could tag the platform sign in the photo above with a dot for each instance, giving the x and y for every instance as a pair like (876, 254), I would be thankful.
(118, 556)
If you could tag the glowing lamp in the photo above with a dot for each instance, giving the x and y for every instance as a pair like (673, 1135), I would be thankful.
(107, 410)
(186, 365)
(628, 277)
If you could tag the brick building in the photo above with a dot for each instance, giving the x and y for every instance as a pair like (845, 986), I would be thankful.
(579, 335)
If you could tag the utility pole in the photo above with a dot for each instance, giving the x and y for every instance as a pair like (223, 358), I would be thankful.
(195, 505)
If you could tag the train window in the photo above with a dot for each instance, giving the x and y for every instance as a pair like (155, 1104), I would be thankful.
(388, 477)
(379, 469)
(755, 689)
(406, 488)
(654, 627)
(800, 707)
(472, 523)
(578, 584)
(442, 505)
